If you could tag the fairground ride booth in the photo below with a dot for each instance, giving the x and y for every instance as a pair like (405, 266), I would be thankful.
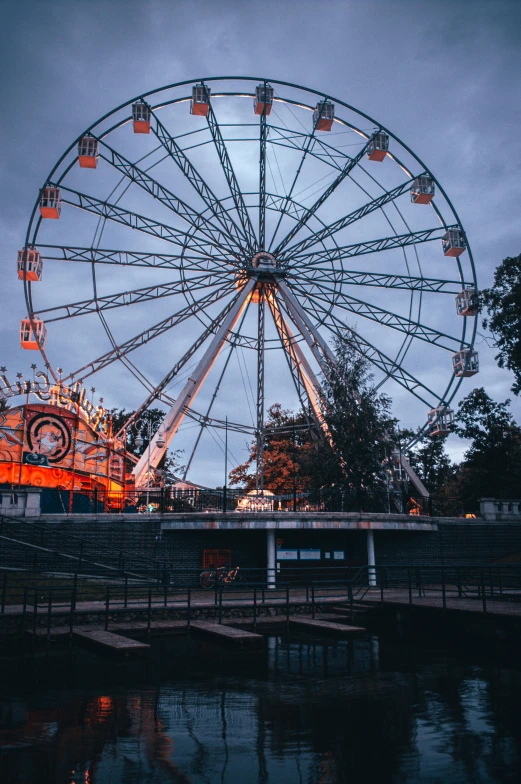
(65, 447)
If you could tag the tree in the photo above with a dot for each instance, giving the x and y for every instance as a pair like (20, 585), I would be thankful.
(492, 464)
(358, 419)
(286, 446)
(503, 304)
(431, 462)
(169, 463)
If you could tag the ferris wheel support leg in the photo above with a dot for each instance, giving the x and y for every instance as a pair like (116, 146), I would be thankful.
(311, 335)
(187, 395)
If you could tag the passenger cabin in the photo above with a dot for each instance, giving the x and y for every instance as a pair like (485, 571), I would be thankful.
(141, 117)
(465, 363)
(88, 152)
(453, 242)
(467, 302)
(324, 115)
(200, 103)
(32, 340)
(263, 100)
(422, 190)
(378, 146)
(50, 203)
(439, 421)
(30, 264)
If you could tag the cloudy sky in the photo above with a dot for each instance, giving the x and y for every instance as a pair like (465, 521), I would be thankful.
(443, 76)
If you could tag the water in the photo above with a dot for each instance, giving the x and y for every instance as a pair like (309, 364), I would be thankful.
(377, 709)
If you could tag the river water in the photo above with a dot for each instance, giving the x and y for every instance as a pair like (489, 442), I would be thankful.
(382, 708)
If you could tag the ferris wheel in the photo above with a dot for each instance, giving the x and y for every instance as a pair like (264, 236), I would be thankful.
(238, 215)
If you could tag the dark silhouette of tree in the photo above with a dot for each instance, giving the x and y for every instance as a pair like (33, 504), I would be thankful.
(503, 304)
(492, 464)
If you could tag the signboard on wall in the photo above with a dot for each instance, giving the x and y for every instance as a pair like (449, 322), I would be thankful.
(287, 555)
(310, 555)
(339, 555)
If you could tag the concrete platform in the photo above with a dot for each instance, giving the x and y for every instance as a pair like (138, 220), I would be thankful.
(227, 634)
(327, 627)
(109, 641)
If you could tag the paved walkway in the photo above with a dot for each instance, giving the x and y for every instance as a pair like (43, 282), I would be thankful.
(434, 599)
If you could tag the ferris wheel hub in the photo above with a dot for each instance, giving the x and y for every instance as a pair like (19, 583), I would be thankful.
(264, 261)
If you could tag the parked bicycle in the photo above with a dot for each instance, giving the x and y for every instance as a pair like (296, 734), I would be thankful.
(222, 575)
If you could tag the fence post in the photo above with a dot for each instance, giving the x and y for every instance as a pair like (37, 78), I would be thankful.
(444, 598)
(49, 610)
(350, 596)
(80, 556)
(220, 604)
(409, 577)
(4, 591)
(382, 578)
(107, 603)
(287, 605)
(312, 600)
(458, 578)
(74, 591)
(188, 612)
(149, 612)
(35, 613)
(490, 580)
(162, 500)
(483, 595)
(499, 582)
(255, 608)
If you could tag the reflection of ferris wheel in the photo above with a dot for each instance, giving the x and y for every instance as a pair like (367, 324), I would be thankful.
(274, 227)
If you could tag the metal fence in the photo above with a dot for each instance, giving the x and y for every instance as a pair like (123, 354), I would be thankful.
(200, 500)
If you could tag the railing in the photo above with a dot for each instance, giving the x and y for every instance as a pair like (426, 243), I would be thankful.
(293, 499)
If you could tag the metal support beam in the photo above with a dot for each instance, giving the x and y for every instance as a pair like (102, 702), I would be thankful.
(262, 179)
(175, 416)
(259, 479)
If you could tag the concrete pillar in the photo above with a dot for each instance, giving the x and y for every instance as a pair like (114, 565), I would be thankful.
(371, 573)
(33, 505)
(271, 557)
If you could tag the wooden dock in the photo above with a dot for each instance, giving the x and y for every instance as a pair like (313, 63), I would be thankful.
(110, 641)
(327, 627)
(226, 634)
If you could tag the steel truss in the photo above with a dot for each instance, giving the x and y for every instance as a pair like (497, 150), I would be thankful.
(241, 250)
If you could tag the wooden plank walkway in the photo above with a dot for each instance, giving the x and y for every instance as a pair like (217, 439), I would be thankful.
(111, 641)
(224, 633)
(327, 627)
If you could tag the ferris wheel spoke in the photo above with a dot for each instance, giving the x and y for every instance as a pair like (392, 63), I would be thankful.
(129, 258)
(308, 400)
(156, 393)
(310, 211)
(124, 298)
(358, 278)
(184, 211)
(151, 333)
(296, 140)
(263, 135)
(307, 146)
(373, 246)
(342, 223)
(190, 172)
(379, 315)
(133, 220)
(388, 366)
(231, 179)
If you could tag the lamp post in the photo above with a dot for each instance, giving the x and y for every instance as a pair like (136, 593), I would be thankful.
(225, 487)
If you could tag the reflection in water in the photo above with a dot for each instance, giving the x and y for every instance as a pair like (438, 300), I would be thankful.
(374, 709)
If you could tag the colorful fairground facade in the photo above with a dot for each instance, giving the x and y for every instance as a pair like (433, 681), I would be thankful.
(59, 441)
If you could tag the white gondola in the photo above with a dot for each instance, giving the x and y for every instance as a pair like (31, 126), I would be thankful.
(263, 100)
(32, 340)
(50, 203)
(465, 363)
(200, 103)
(378, 146)
(88, 152)
(324, 115)
(453, 242)
(141, 117)
(422, 190)
(439, 421)
(467, 302)
(30, 264)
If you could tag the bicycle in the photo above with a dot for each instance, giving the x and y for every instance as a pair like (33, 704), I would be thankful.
(221, 575)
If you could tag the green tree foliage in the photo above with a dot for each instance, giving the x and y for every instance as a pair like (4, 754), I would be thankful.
(503, 304)
(431, 462)
(492, 464)
(170, 462)
(359, 421)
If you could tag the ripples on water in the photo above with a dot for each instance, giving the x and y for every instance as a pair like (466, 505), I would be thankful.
(374, 709)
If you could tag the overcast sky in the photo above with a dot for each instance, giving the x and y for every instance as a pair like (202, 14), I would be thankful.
(444, 76)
